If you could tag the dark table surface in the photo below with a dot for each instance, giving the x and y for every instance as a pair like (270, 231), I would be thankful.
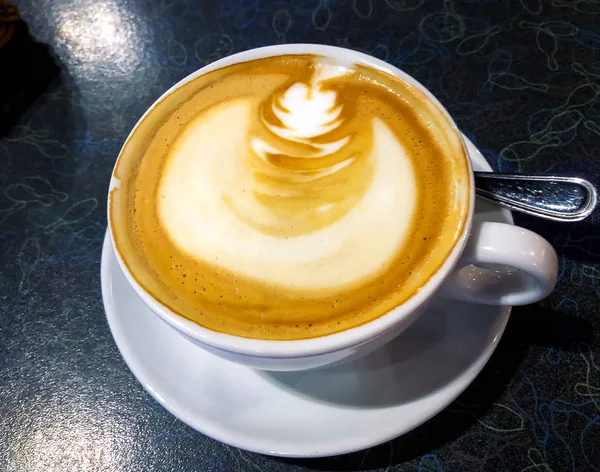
(522, 80)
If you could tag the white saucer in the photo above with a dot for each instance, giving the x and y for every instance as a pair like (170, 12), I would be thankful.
(308, 414)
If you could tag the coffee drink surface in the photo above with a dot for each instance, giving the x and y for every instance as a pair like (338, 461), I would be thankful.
(289, 197)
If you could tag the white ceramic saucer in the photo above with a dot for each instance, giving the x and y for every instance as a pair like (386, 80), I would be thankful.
(308, 414)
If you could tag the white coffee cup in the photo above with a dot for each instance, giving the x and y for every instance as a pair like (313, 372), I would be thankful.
(526, 265)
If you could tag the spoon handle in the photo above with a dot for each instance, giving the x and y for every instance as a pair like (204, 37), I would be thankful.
(552, 197)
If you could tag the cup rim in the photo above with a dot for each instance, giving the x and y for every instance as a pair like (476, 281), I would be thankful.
(349, 338)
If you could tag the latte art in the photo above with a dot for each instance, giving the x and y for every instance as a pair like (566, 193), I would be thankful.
(297, 187)
(306, 147)
(289, 197)
(306, 111)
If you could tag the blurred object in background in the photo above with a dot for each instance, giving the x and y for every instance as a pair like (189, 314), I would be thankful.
(9, 15)
(27, 67)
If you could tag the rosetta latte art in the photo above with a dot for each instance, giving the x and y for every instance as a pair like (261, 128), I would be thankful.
(289, 197)
(301, 152)
(293, 189)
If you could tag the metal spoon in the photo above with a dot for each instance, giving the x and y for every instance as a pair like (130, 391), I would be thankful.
(553, 197)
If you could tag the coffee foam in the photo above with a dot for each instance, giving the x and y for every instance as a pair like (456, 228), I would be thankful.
(289, 198)
(307, 110)
(215, 204)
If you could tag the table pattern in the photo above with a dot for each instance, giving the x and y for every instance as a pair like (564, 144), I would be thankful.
(520, 77)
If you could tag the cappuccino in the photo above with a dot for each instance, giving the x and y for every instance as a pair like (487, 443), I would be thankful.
(289, 197)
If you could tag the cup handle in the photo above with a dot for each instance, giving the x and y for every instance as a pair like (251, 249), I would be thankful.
(503, 264)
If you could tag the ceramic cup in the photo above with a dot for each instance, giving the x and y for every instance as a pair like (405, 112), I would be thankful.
(492, 263)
